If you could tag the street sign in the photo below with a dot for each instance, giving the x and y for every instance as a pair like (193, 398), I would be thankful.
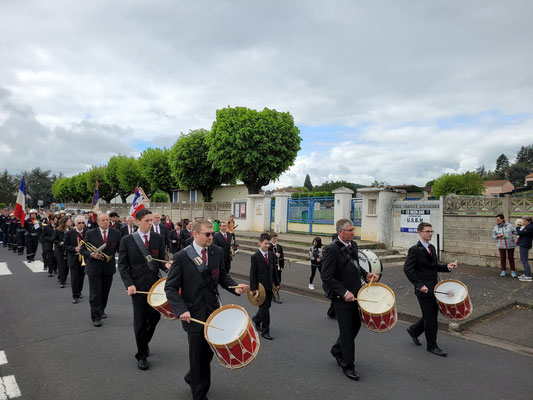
(40, 202)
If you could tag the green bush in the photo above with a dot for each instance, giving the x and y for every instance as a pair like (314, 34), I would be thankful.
(160, 197)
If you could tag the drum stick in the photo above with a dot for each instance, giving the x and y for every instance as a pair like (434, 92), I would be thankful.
(371, 280)
(141, 292)
(206, 324)
(370, 301)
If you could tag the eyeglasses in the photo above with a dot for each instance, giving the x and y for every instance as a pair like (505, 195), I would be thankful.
(349, 230)
(207, 234)
(80, 223)
(428, 231)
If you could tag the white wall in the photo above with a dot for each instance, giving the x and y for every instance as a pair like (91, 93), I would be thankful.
(406, 239)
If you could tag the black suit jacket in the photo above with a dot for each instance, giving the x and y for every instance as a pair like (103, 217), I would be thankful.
(133, 267)
(278, 249)
(184, 235)
(163, 231)
(219, 240)
(341, 270)
(421, 268)
(96, 267)
(125, 230)
(71, 242)
(116, 225)
(198, 294)
(261, 272)
(174, 241)
(47, 237)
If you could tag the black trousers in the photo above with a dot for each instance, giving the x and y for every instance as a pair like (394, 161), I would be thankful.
(349, 322)
(77, 276)
(99, 287)
(200, 356)
(227, 265)
(428, 323)
(32, 242)
(145, 319)
(20, 242)
(62, 268)
(49, 261)
(263, 314)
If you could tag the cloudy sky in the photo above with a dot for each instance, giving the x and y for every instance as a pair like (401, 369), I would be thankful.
(394, 91)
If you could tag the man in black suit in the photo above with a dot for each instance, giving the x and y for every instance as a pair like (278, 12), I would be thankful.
(115, 221)
(72, 245)
(342, 276)
(139, 274)
(197, 272)
(100, 271)
(174, 238)
(262, 270)
(161, 229)
(223, 239)
(277, 249)
(421, 267)
(185, 234)
(129, 228)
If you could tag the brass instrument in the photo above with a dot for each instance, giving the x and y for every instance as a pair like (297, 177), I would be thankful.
(93, 249)
(81, 259)
(168, 255)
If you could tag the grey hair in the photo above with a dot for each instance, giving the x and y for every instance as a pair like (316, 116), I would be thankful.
(343, 224)
(79, 218)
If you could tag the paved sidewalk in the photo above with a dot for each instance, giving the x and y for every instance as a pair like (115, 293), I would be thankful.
(489, 293)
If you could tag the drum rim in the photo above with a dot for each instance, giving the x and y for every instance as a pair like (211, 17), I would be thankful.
(149, 296)
(218, 311)
(383, 313)
(456, 281)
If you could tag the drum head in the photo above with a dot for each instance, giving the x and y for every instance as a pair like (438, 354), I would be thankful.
(234, 322)
(370, 261)
(456, 290)
(156, 300)
(379, 293)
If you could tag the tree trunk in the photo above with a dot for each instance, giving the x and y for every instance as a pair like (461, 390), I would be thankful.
(254, 185)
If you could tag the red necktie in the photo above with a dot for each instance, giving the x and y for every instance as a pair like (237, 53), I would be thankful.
(429, 249)
(204, 256)
(266, 259)
(225, 238)
(146, 243)
(105, 237)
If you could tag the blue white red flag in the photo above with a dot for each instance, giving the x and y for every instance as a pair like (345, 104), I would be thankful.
(138, 203)
(20, 206)
(96, 204)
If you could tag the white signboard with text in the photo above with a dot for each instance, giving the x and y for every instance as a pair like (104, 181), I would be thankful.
(411, 218)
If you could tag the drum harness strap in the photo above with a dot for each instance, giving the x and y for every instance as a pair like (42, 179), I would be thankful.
(153, 267)
(202, 269)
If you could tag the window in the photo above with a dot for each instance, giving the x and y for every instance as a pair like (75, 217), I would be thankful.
(372, 206)
(193, 196)
(239, 210)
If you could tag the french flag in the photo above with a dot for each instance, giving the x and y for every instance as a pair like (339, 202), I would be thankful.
(138, 203)
(20, 206)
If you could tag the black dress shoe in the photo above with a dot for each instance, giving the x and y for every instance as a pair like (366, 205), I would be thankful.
(97, 323)
(50, 274)
(267, 336)
(104, 315)
(80, 296)
(350, 373)
(414, 338)
(143, 364)
(75, 300)
(437, 351)
(187, 378)
(62, 285)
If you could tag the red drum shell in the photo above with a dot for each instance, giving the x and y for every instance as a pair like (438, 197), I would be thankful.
(458, 311)
(164, 309)
(378, 322)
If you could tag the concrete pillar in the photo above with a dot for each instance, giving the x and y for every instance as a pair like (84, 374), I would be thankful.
(385, 218)
(258, 212)
(343, 203)
(281, 210)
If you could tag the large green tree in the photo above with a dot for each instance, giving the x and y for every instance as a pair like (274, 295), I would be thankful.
(525, 155)
(63, 190)
(38, 187)
(155, 169)
(502, 165)
(129, 177)
(307, 183)
(8, 188)
(330, 186)
(97, 174)
(190, 166)
(252, 146)
(112, 178)
(517, 173)
(469, 183)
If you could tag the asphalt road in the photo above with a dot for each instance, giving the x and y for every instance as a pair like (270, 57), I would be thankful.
(54, 352)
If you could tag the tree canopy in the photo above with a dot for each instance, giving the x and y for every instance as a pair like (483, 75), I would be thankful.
(469, 183)
(190, 166)
(307, 183)
(155, 168)
(252, 146)
(8, 188)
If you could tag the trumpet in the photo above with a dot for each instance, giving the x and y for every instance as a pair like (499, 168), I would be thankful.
(81, 259)
(98, 250)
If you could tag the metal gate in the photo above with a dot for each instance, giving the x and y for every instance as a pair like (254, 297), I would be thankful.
(310, 214)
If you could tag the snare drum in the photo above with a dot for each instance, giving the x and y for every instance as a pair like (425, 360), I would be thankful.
(237, 344)
(456, 305)
(159, 301)
(380, 315)
(370, 261)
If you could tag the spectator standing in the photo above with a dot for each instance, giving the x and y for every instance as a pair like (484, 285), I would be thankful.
(525, 237)
(504, 234)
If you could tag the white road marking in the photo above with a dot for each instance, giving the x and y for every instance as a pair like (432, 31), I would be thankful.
(9, 388)
(35, 266)
(4, 270)
(3, 358)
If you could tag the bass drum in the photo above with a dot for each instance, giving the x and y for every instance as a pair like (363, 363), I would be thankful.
(370, 261)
